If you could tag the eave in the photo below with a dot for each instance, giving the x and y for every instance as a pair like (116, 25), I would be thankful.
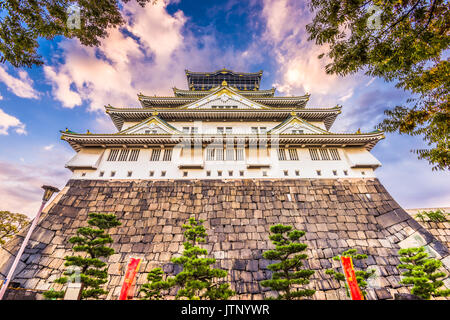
(78, 141)
(120, 115)
(246, 93)
(179, 102)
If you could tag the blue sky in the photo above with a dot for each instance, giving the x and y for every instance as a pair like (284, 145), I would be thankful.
(149, 55)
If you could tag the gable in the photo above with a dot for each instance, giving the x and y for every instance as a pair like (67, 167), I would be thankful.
(153, 125)
(224, 98)
(295, 125)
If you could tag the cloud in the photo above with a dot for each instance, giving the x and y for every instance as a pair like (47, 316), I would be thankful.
(7, 121)
(49, 147)
(299, 69)
(20, 190)
(21, 86)
(148, 54)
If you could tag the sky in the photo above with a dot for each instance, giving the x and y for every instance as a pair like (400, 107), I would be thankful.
(149, 55)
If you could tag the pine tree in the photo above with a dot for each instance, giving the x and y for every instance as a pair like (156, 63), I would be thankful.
(361, 275)
(92, 241)
(197, 280)
(421, 273)
(288, 275)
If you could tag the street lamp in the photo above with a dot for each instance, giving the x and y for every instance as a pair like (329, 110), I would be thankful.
(48, 192)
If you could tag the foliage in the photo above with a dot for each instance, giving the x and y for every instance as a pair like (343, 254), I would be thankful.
(11, 224)
(421, 272)
(24, 22)
(92, 241)
(288, 275)
(435, 216)
(197, 280)
(361, 276)
(402, 41)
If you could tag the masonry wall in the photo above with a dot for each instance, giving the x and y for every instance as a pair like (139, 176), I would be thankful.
(337, 214)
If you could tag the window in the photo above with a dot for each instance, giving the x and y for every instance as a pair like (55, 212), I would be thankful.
(264, 173)
(228, 130)
(281, 154)
(324, 154)
(185, 173)
(314, 154)
(163, 173)
(129, 173)
(155, 154)
(230, 173)
(220, 130)
(239, 154)
(297, 131)
(345, 173)
(208, 173)
(229, 154)
(102, 173)
(147, 131)
(286, 173)
(297, 172)
(255, 130)
(194, 130)
(319, 173)
(263, 130)
(241, 173)
(293, 155)
(113, 155)
(210, 152)
(113, 173)
(335, 172)
(152, 173)
(334, 154)
(363, 173)
(134, 155)
(219, 173)
(123, 156)
(219, 154)
(167, 154)
(185, 129)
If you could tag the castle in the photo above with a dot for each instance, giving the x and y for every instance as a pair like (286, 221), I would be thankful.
(240, 158)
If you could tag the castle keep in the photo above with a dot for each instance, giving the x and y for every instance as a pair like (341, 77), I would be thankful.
(240, 158)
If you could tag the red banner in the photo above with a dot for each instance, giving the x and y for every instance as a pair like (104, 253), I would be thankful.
(349, 272)
(130, 276)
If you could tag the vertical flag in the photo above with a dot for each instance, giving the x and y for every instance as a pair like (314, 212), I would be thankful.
(350, 276)
(130, 275)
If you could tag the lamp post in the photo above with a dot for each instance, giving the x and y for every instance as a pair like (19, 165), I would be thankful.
(48, 192)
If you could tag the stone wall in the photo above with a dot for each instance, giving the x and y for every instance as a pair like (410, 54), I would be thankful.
(337, 214)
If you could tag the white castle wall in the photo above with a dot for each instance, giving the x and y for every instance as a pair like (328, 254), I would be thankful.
(306, 167)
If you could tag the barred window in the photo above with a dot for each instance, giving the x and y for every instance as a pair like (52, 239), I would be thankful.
(167, 154)
(210, 152)
(334, 154)
(324, 154)
(293, 155)
(239, 154)
(229, 154)
(281, 154)
(314, 154)
(219, 154)
(134, 155)
(155, 154)
(113, 155)
(123, 156)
